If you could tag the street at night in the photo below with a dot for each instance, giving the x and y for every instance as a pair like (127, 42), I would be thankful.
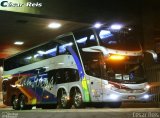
(128, 110)
(85, 113)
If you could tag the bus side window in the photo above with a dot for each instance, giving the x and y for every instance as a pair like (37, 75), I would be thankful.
(52, 77)
(74, 76)
(85, 39)
(70, 75)
(65, 43)
(58, 77)
(91, 41)
(67, 76)
(63, 49)
(45, 82)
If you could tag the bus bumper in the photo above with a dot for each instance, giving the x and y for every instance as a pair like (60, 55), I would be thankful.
(114, 96)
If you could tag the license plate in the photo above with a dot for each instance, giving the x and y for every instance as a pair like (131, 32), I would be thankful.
(131, 97)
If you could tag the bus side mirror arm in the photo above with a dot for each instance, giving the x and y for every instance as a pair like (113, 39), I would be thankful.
(96, 49)
(154, 54)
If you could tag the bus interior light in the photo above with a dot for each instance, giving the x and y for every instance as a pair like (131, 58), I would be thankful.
(28, 58)
(82, 40)
(129, 29)
(116, 26)
(54, 25)
(41, 52)
(18, 43)
(97, 25)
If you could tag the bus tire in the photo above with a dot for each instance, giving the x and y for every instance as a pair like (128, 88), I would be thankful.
(63, 102)
(15, 104)
(77, 99)
(114, 104)
(22, 104)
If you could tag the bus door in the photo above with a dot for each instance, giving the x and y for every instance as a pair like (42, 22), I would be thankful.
(92, 67)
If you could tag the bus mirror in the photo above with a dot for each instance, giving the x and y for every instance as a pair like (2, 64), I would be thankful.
(96, 49)
(155, 56)
(90, 49)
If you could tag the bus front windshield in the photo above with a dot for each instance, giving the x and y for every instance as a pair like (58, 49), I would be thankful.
(96, 65)
(118, 39)
(128, 71)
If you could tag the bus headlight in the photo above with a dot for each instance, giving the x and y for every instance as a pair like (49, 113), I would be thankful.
(113, 96)
(146, 96)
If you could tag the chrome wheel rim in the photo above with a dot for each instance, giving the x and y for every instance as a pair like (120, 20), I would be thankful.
(21, 104)
(63, 100)
(14, 103)
(78, 99)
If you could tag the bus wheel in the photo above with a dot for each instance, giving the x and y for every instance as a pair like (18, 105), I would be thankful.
(77, 99)
(63, 102)
(114, 104)
(22, 104)
(15, 104)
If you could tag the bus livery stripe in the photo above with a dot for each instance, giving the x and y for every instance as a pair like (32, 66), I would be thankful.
(81, 74)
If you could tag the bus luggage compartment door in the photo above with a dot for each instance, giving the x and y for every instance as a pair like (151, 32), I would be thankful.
(96, 89)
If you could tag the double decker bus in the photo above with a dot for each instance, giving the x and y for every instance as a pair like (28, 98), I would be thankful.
(94, 65)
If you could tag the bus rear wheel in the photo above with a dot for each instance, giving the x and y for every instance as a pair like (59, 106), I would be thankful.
(15, 104)
(77, 99)
(22, 104)
(63, 102)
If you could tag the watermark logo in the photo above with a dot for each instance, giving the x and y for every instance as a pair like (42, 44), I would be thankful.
(18, 4)
(146, 115)
(9, 115)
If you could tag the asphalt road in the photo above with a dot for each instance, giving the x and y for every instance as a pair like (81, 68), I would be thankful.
(82, 113)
